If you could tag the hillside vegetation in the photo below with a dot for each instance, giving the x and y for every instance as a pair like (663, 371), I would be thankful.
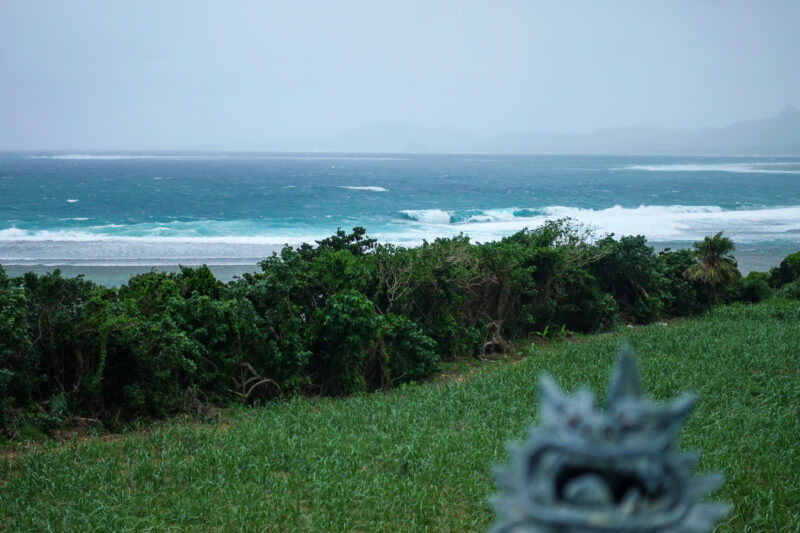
(419, 457)
(342, 317)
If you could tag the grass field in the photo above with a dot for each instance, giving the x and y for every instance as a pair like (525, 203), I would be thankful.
(419, 458)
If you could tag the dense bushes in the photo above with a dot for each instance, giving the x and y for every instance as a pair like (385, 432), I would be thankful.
(18, 373)
(344, 316)
(787, 272)
(343, 333)
(791, 290)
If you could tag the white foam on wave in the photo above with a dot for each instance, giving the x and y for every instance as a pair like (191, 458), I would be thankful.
(114, 157)
(243, 240)
(325, 157)
(493, 215)
(428, 216)
(364, 188)
(438, 216)
(72, 200)
(157, 235)
(657, 223)
(739, 168)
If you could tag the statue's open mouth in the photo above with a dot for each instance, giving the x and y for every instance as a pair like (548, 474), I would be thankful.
(584, 485)
(625, 489)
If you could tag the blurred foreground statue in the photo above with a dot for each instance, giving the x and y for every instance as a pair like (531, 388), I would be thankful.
(589, 470)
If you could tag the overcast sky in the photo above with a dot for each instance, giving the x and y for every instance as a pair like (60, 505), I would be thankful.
(242, 75)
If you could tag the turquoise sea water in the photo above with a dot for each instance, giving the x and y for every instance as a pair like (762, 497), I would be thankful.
(117, 210)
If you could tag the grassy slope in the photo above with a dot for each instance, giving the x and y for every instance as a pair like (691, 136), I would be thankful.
(419, 457)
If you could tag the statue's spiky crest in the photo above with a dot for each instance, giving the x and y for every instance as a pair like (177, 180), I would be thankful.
(625, 382)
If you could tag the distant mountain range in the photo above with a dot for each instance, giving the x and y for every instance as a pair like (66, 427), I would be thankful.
(779, 135)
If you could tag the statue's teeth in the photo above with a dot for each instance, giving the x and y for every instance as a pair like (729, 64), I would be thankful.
(631, 502)
(588, 489)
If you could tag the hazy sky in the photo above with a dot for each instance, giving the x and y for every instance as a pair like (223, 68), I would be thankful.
(241, 75)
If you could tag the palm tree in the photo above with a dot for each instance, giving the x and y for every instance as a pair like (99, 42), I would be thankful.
(715, 265)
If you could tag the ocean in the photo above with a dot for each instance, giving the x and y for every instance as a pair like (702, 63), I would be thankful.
(110, 215)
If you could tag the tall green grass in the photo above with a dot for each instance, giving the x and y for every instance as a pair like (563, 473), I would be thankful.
(419, 458)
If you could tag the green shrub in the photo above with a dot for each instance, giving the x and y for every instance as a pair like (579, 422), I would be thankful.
(64, 350)
(149, 364)
(19, 375)
(344, 331)
(357, 243)
(787, 272)
(223, 331)
(284, 304)
(151, 291)
(583, 306)
(791, 290)
(441, 275)
(6, 401)
(752, 289)
(680, 296)
(410, 354)
(631, 273)
(198, 281)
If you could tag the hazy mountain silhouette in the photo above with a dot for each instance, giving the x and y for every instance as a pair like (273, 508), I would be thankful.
(779, 135)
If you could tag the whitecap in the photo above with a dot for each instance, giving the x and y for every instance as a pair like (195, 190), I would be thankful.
(428, 216)
(250, 239)
(494, 215)
(659, 223)
(115, 157)
(161, 235)
(72, 200)
(740, 168)
(371, 188)
(179, 157)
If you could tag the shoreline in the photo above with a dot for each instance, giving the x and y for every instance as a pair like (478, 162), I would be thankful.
(114, 276)
(750, 257)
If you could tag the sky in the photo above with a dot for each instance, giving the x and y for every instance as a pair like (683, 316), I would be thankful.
(181, 75)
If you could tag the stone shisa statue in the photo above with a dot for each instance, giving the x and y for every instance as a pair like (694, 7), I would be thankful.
(614, 470)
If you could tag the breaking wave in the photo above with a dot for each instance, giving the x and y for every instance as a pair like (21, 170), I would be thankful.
(741, 168)
(679, 223)
(181, 157)
(245, 241)
(365, 188)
